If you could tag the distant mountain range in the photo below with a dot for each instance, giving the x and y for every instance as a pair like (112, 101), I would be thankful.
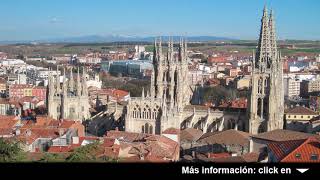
(117, 38)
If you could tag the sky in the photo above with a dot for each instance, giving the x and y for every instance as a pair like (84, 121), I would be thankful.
(48, 19)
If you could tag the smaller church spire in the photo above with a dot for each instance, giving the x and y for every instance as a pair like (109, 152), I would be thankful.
(84, 83)
(152, 85)
(148, 94)
(78, 83)
(142, 93)
(71, 80)
(265, 11)
(58, 90)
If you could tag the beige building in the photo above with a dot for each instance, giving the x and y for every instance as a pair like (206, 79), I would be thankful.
(298, 118)
(244, 82)
(314, 85)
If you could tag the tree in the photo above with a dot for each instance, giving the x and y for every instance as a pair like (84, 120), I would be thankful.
(51, 157)
(84, 153)
(10, 151)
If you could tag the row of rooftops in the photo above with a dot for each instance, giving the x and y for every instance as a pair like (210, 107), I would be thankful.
(115, 144)
(285, 145)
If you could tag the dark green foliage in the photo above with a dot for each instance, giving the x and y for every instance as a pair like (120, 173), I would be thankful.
(51, 157)
(219, 93)
(10, 151)
(135, 87)
(84, 153)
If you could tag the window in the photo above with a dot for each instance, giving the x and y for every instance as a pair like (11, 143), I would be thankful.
(314, 157)
(146, 128)
(71, 111)
(150, 130)
(308, 116)
(295, 116)
(142, 129)
(289, 116)
(301, 116)
(298, 156)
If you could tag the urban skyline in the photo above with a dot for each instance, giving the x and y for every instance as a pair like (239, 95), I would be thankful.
(135, 18)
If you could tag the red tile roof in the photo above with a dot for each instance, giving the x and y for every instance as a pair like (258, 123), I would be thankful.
(58, 149)
(171, 131)
(228, 137)
(307, 152)
(279, 135)
(281, 149)
(190, 134)
(20, 86)
(126, 136)
(218, 155)
(301, 110)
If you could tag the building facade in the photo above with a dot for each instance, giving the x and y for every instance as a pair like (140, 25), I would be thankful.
(266, 107)
(162, 106)
(69, 99)
(291, 87)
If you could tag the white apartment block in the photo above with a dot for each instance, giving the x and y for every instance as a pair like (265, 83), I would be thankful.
(291, 87)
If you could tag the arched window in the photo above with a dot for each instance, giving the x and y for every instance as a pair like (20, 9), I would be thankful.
(146, 128)
(150, 129)
(259, 107)
(142, 129)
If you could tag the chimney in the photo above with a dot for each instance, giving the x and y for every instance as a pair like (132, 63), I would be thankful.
(28, 132)
(250, 145)
(18, 132)
(61, 132)
(75, 140)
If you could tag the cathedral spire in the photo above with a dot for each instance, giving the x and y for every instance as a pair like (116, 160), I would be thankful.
(155, 51)
(142, 93)
(263, 51)
(71, 80)
(84, 83)
(273, 41)
(58, 90)
(266, 99)
(78, 83)
(51, 86)
(152, 86)
(160, 57)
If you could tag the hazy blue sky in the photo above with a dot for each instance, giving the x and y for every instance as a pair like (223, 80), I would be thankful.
(42, 19)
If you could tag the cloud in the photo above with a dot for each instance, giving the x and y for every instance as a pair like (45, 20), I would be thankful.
(54, 20)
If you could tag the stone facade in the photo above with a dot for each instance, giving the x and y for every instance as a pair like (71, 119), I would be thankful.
(167, 103)
(69, 99)
(266, 106)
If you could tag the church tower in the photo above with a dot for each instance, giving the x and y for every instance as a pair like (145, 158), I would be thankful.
(69, 101)
(266, 106)
(169, 78)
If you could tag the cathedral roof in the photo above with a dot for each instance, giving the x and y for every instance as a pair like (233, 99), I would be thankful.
(228, 137)
(190, 134)
(171, 131)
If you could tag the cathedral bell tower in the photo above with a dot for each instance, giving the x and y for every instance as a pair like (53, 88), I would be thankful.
(266, 105)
